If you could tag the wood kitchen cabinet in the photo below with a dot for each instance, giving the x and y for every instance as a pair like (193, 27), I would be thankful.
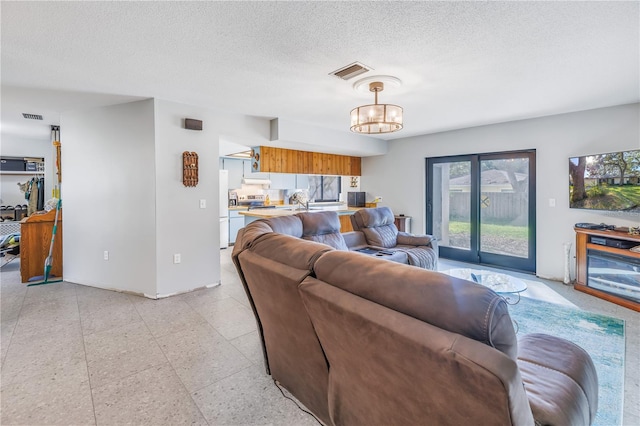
(278, 160)
(345, 223)
(35, 238)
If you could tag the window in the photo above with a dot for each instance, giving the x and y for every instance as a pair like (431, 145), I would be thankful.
(324, 188)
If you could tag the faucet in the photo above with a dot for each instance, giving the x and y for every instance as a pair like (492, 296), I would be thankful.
(306, 205)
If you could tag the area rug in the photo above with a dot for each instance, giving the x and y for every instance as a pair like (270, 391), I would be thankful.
(601, 336)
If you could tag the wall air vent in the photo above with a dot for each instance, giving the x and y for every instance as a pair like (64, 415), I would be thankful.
(351, 70)
(31, 116)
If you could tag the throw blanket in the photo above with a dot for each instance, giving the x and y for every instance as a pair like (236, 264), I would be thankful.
(423, 257)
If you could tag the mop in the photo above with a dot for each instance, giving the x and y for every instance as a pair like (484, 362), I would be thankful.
(48, 262)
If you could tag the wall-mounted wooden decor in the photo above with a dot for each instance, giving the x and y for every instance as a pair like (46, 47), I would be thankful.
(189, 168)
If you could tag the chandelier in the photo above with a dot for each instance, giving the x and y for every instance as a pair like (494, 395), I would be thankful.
(376, 118)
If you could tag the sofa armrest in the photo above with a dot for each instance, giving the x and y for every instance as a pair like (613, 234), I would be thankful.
(404, 238)
(560, 380)
(354, 239)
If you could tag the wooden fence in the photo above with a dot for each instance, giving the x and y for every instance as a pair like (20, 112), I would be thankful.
(496, 207)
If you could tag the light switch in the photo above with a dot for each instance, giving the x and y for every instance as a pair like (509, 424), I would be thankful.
(203, 204)
(552, 202)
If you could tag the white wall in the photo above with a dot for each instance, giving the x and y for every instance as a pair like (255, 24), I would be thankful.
(181, 225)
(293, 135)
(109, 197)
(16, 146)
(399, 176)
(123, 193)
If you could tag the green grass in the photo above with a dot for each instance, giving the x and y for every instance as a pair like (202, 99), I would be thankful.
(502, 231)
(610, 197)
(629, 193)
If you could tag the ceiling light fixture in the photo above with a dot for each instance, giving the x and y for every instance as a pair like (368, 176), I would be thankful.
(376, 118)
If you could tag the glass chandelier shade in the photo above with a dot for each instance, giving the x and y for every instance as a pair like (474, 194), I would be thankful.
(376, 118)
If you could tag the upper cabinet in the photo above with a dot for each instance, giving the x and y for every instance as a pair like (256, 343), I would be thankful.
(278, 160)
(250, 172)
(236, 170)
(302, 182)
(282, 181)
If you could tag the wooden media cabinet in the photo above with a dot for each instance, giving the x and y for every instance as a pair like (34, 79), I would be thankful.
(605, 271)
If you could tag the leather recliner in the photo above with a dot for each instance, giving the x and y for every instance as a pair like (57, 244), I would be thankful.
(379, 229)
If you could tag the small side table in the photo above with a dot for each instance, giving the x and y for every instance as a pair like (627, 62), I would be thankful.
(403, 223)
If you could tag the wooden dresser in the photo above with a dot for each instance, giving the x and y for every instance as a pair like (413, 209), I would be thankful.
(35, 238)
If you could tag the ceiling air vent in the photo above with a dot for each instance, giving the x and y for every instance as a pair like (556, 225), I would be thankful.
(31, 116)
(351, 70)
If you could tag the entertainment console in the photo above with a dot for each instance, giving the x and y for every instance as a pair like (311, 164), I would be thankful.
(606, 267)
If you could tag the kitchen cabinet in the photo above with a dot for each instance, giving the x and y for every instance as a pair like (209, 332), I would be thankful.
(248, 173)
(302, 182)
(235, 168)
(282, 181)
(278, 160)
(236, 221)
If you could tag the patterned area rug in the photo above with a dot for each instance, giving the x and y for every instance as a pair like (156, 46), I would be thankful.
(601, 336)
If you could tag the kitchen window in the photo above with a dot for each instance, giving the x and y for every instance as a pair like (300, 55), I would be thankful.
(324, 188)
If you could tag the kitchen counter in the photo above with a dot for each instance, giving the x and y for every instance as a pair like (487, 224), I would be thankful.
(344, 214)
(266, 213)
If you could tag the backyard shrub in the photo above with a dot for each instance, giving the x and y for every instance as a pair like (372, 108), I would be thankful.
(597, 191)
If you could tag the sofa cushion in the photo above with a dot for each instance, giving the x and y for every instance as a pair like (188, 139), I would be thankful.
(377, 225)
(372, 217)
(288, 225)
(381, 236)
(250, 233)
(388, 368)
(453, 304)
(422, 257)
(323, 227)
(560, 380)
(405, 238)
(354, 240)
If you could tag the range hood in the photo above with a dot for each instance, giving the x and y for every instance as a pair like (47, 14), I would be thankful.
(255, 181)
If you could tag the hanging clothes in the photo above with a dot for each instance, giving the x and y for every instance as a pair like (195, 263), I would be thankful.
(40, 203)
(31, 195)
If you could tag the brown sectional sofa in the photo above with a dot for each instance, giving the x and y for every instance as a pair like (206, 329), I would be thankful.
(361, 341)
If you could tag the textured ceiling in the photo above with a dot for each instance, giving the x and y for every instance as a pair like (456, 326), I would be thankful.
(462, 64)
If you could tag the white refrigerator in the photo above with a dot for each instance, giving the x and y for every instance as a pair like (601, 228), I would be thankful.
(224, 208)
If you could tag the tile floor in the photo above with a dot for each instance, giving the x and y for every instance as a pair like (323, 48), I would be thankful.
(78, 355)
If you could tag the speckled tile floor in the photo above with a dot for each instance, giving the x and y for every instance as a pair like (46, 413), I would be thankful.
(78, 355)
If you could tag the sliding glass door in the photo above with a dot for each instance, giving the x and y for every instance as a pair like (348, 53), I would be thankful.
(481, 207)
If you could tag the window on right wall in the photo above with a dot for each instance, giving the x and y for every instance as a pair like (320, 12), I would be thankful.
(324, 188)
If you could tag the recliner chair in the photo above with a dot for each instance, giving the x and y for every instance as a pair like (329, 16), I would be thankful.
(379, 229)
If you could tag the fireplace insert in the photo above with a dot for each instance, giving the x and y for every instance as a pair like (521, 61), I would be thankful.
(614, 273)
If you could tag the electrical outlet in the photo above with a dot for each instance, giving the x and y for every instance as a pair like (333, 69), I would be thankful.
(203, 204)
(105, 255)
(177, 258)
